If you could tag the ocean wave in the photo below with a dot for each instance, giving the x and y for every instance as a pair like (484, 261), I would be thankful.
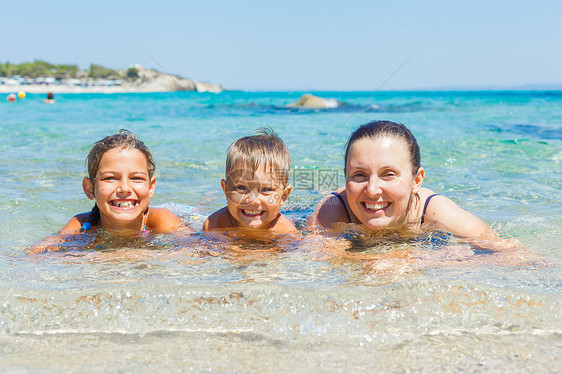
(341, 313)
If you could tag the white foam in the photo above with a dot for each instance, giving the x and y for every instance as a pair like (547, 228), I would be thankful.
(331, 103)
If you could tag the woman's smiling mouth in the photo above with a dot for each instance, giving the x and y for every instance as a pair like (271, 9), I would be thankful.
(373, 207)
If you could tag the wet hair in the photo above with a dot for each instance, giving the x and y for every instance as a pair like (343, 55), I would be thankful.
(264, 146)
(379, 129)
(50, 96)
(124, 139)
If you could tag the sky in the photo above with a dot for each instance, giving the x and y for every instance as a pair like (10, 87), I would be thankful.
(299, 45)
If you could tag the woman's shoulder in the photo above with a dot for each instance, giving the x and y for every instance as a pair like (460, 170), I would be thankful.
(425, 193)
(330, 210)
(444, 214)
(432, 203)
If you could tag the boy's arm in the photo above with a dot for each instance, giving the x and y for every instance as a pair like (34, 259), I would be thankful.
(162, 220)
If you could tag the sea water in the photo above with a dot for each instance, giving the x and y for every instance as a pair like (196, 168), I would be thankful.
(195, 304)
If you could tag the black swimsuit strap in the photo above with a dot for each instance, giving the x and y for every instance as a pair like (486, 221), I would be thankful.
(343, 202)
(425, 206)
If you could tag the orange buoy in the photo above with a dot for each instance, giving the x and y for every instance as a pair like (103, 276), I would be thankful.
(21, 95)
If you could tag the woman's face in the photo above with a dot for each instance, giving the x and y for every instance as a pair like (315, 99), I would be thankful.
(380, 182)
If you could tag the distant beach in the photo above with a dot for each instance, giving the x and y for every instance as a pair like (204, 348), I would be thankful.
(43, 77)
(55, 88)
(163, 83)
(41, 88)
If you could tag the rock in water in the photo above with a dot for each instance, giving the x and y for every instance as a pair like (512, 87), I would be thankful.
(208, 87)
(314, 102)
(165, 83)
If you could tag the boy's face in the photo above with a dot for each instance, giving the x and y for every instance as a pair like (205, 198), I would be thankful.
(254, 198)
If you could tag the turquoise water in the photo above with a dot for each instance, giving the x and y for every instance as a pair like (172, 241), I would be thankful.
(192, 304)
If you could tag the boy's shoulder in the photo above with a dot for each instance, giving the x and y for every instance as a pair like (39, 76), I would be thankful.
(284, 225)
(221, 219)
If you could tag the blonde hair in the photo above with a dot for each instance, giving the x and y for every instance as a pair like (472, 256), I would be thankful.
(263, 147)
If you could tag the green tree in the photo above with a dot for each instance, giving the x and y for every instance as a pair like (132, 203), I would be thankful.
(132, 73)
(98, 71)
(40, 68)
(66, 71)
(37, 68)
(6, 69)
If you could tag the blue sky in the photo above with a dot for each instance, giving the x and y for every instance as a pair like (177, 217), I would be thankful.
(299, 45)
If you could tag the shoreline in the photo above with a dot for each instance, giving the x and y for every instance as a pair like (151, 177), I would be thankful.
(152, 83)
(61, 89)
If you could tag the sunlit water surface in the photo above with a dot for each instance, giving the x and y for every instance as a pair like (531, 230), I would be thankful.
(195, 303)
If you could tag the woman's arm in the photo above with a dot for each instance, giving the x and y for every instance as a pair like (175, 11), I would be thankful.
(444, 214)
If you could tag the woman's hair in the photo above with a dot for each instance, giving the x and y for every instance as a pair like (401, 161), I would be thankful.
(379, 129)
(266, 147)
(124, 139)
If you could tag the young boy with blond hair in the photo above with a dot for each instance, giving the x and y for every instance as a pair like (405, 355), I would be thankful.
(255, 185)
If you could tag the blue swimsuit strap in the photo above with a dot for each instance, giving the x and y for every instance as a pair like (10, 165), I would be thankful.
(425, 206)
(343, 202)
